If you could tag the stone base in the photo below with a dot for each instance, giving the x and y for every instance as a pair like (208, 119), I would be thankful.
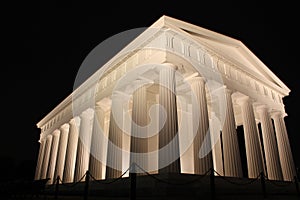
(180, 186)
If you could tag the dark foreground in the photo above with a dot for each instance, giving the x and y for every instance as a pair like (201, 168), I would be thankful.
(158, 187)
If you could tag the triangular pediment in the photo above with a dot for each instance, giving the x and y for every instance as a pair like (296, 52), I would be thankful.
(229, 48)
(226, 47)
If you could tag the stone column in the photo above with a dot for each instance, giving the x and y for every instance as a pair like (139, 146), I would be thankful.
(254, 159)
(216, 137)
(284, 149)
(62, 149)
(115, 135)
(40, 160)
(84, 144)
(71, 150)
(261, 147)
(96, 157)
(270, 146)
(231, 151)
(185, 133)
(53, 155)
(168, 135)
(46, 156)
(139, 139)
(200, 112)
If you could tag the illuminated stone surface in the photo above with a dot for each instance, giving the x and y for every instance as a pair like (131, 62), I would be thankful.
(192, 52)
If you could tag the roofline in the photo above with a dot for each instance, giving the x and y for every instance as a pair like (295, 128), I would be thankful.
(265, 68)
(135, 43)
(169, 21)
(200, 30)
(164, 21)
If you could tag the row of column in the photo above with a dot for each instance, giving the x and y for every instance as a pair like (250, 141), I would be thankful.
(64, 154)
(62, 150)
(277, 155)
(277, 151)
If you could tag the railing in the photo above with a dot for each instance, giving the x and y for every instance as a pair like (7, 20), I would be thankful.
(210, 173)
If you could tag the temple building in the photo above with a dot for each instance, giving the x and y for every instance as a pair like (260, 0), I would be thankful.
(171, 101)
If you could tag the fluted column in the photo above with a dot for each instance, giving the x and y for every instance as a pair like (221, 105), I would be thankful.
(217, 153)
(284, 149)
(270, 146)
(261, 147)
(40, 159)
(115, 135)
(254, 159)
(46, 156)
(185, 134)
(200, 112)
(168, 135)
(84, 143)
(62, 149)
(231, 151)
(96, 157)
(69, 170)
(139, 139)
(53, 155)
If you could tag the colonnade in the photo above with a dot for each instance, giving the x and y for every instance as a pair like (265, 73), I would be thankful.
(66, 152)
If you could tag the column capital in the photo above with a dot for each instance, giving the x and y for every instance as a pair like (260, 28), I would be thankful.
(139, 83)
(275, 114)
(242, 100)
(56, 132)
(75, 121)
(88, 113)
(189, 76)
(65, 126)
(120, 94)
(143, 79)
(261, 108)
(193, 79)
(224, 89)
(49, 136)
(228, 90)
(170, 65)
(104, 104)
(42, 140)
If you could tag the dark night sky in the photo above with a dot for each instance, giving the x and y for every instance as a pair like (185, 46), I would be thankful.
(45, 43)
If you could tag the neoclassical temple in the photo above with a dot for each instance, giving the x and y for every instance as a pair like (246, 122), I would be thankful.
(171, 101)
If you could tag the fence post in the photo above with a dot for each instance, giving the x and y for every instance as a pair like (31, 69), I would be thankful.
(86, 187)
(57, 187)
(132, 176)
(263, 184)
(212, 184)
(297, 185)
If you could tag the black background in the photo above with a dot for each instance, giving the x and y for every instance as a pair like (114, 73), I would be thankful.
(44, 43)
